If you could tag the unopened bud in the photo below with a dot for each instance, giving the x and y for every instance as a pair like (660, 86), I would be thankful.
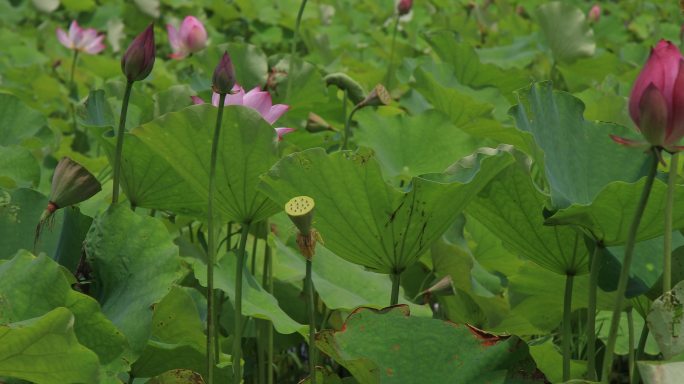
(138, 61)
(404, 7)
(594, 13)
(224, 76)
(315, 123)
(354, 91)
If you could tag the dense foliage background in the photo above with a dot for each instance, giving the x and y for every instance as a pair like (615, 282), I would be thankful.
(533, 88)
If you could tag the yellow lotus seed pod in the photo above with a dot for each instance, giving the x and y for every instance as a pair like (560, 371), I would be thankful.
(300, 210)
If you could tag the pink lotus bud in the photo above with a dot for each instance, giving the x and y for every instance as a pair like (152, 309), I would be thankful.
(594, 13)
(656, 103)
(138, 61)
(190, 38)
(224, 76)
(404, 7)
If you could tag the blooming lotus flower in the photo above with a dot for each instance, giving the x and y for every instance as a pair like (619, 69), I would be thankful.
(594, 13)
(256, 99)
(404, 7)
(82, 40)
(191, 37)
(138, 61)
(656, 104)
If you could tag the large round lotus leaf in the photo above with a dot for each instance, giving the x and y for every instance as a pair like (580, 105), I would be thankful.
(365, 220)
(567, 31)
(182, 141)
(379, 346)
(512, 208)
(17, 121)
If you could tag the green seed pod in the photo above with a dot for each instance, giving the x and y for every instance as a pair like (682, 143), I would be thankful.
(300, 210)
(378, 96)
(342, 81)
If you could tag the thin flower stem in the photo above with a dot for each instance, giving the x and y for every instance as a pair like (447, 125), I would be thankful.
(591, 312)
(624, 272)
(640, 351)
(347, 129)
(390, 67)
(73, 93)
(630, 330)
(212, 352)
(396, 280)
(267, 282)
(237, 336)
(119, 142)
(312, 322)
(567, 326)
(669, 203)
(295, 39)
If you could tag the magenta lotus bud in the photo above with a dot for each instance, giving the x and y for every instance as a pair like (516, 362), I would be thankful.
(138, 60)
(594, 13)
(656, 104)
(191, 37)
(224, 76)
(404, 7)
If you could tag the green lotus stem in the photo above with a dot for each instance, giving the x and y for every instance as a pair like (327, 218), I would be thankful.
(267, 282)
(72, 90)
(312, 321)
(396, 280)
(254, 248)
(390, 67)
(567, 326)
(119, 142)
(669, 204)
(624, 272)
(640, 351)
(630, 354)
(295, 39)
(237, 341)
(212, 353)
(347, 128)
(591, 312)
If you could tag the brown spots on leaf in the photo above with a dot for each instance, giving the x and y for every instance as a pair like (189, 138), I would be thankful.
(389, 371)
(396, 347)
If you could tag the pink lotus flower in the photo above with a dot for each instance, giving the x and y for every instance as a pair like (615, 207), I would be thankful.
(656, 103)
(256, 99)
(594, 13)
(79, 39)
(191, 37)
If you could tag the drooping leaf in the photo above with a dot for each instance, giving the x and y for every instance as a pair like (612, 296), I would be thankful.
(134, 264)
(177, 340)
(368, 222)
(177, 376)
(379, 346)
(666, 321)
(20, 211)
(45, 350)
(256, 302)
(661, 372)
(579, 156)
(33, 286)
(512, 208)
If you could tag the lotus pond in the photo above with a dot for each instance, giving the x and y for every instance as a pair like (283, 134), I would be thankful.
(341, 191)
